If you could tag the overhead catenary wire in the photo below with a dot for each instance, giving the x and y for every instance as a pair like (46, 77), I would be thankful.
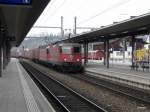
(54, 12)
(48, 7)
(104, 11)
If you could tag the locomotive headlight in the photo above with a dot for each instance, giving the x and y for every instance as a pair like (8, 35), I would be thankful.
(78, 59)
(65, 59)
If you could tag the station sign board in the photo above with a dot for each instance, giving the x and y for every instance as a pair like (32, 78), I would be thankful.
(16, 2)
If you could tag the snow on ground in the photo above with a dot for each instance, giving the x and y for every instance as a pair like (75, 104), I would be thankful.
(111, 62)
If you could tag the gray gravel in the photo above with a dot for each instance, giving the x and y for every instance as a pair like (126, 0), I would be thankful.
(109, 100)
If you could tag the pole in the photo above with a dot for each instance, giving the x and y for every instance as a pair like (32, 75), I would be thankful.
(107, 53)
(0, 61)
(8, 47)
(87, 52)
(133, 47)
(75, 25)
(104, 52)
(84, 46)
(4, 54)
(124, 50)
(0, 51)
(149, 51)
(92, 50)
(62, 31)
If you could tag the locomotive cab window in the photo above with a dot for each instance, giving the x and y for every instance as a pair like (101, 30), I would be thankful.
(66, 50)
(47, 51)
(76, 49)
(60, 49)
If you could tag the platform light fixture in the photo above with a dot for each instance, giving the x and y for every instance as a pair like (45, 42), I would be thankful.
(143, 28)
(125, 32)
(113, 34)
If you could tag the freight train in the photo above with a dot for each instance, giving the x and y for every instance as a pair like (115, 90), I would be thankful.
(62, 56)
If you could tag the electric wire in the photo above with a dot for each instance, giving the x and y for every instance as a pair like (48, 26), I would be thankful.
(104, 11)
(54, 12)
(48, 7)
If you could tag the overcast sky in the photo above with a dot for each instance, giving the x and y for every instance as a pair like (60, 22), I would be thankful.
(89, 13)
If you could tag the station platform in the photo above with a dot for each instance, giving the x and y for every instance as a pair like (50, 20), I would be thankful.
(18, 93)
(120, 72)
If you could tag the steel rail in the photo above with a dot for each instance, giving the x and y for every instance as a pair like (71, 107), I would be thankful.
(116, 87)
(69, 99)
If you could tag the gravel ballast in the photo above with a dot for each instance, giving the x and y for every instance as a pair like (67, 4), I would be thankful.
(109, 100)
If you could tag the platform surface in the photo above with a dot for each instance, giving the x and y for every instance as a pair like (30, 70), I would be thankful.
(121, 71)
(18, 93)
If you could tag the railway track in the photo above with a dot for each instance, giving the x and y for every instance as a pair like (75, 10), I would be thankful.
(119, 88)
(69, 100)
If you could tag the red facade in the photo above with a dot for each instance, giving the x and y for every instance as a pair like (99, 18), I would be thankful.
(96, 55)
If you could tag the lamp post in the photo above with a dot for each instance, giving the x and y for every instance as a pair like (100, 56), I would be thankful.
(149, 51)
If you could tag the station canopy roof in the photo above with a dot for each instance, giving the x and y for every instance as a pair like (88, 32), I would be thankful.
(133, 26)
(18, 19)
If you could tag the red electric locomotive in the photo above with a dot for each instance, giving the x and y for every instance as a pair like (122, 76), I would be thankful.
(64, 56)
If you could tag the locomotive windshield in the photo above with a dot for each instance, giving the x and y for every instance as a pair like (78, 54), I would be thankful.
(76, 50)
(70, 49)
(66, 50)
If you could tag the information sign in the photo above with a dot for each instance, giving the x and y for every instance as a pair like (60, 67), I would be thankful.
(16, 2)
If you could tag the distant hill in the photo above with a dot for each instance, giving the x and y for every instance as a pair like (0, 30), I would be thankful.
(34, 42)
